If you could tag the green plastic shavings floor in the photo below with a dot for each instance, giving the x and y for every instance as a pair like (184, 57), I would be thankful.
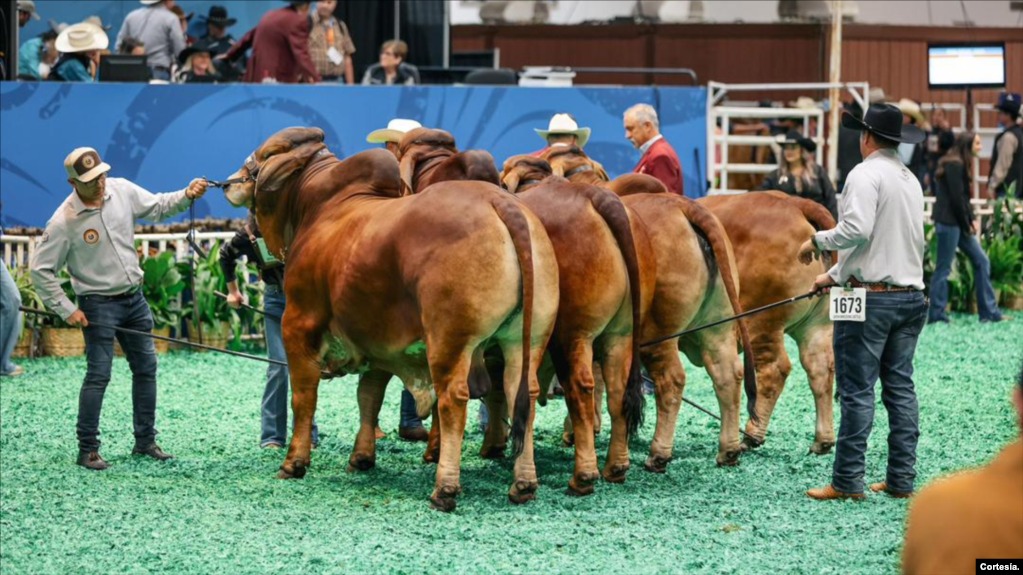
(217, 508)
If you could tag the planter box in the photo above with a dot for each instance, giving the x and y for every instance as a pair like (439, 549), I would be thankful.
(213, 336)
(1012, 301)
(63, 342)
(24, 346)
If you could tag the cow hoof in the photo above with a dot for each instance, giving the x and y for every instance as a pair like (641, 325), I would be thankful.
(656, 464)
(750, 443)
(568, 439)
(582, 484)
(361, 463)
(443, 499)
(523, 491)
(297, 471)
(729, 458)
(616, 473)
(821, 447)
(492, 452)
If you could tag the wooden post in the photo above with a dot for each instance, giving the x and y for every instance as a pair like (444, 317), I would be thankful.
(833, 93)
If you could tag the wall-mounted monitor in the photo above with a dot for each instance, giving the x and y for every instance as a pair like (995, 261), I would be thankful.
(967, 65)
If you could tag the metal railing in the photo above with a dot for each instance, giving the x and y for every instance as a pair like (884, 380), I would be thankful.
(18, 250)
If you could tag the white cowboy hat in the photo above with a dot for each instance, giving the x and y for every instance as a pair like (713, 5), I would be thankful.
(912, 109)
(149, 2)
(28, 6)
(394, 131)
(803, 103)
(565, 124)
(82, 37)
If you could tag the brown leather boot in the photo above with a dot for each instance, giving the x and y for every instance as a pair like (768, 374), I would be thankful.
(828, 493)
(883, 486)
(92, 460)
(152, 450)
(413, 434)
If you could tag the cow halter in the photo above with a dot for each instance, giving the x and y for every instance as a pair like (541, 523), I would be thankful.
(250, 165)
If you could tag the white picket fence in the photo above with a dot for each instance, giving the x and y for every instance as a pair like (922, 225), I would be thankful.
(18, 250)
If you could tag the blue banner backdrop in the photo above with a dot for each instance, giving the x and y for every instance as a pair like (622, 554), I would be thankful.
(162, 136)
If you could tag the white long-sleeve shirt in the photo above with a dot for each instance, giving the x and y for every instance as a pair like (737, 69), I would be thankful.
(97, 244)
(880, 231)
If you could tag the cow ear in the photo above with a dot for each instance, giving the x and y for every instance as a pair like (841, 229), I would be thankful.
(278, 171)
(600, 171)
(511, 181)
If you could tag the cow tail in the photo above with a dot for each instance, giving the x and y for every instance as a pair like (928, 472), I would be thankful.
(613, 211)
(701, 218)
(819, 217)
(518, 227)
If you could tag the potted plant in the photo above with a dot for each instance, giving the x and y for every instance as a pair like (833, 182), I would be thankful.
(1003, 243)
(162, 285)
(59, 338)
(29, 298)
(209, 311)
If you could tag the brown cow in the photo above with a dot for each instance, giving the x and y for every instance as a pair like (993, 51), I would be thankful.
(428, 156)
(606, 274)
(572, 163)
(697, 284)
(766, 230)
(378, 281)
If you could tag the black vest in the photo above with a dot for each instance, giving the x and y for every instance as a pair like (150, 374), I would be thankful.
(1015, 173)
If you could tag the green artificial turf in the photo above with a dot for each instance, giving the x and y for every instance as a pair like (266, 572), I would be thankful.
(218, 508)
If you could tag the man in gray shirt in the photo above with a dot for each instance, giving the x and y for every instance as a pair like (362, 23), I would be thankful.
(159, 30)
(93, 234)
(880, 244)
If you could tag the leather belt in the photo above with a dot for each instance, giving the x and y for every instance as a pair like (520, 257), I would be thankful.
(879, 286)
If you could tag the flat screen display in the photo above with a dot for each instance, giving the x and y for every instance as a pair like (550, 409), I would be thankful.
(966, 65)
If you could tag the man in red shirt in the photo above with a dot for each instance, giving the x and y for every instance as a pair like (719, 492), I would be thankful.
(280, 47)
(659, 158)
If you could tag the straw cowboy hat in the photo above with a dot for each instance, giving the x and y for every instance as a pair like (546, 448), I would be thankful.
(565, 124)
(804, 103)
(876, 96)
(912, 109)
(28, 6)
(394, 131)
(149, 2)
(885, 120)
(97, 21)
(82, 37)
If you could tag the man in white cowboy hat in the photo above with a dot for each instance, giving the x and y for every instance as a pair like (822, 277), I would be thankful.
(79, 46)
(880, 244)
(659, 159)
(914, 155)
(410, 427)
(92, 233)
(1007, 156)
(562, 130)
(159, 30)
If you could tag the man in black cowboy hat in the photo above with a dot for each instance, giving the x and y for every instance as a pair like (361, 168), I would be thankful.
(1007, 159)
(880, 240)
(217, 38)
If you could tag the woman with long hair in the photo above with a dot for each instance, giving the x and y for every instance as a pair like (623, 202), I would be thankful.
(956, 228)
(799, 175)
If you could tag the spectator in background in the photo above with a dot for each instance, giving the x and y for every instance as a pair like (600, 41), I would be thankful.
(330, 45)
(848, 145)
(799, 175)
(977, 514)
(132, 47)
(183, 20)
(79, 46)
(914, 156)
(10, 321)
(391, 69)
(956, 228)
(1007, 158)
(26, 12)
(158, 28)
(659, 158)
(196, 65)
(280, 47)
(36, 56)
(939, 127)
(219, 42)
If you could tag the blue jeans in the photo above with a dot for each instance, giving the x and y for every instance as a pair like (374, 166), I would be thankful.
(409, 415)
(10, 319)
(274, 420)
(130, 312)
(949, 238)
(882, 346)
